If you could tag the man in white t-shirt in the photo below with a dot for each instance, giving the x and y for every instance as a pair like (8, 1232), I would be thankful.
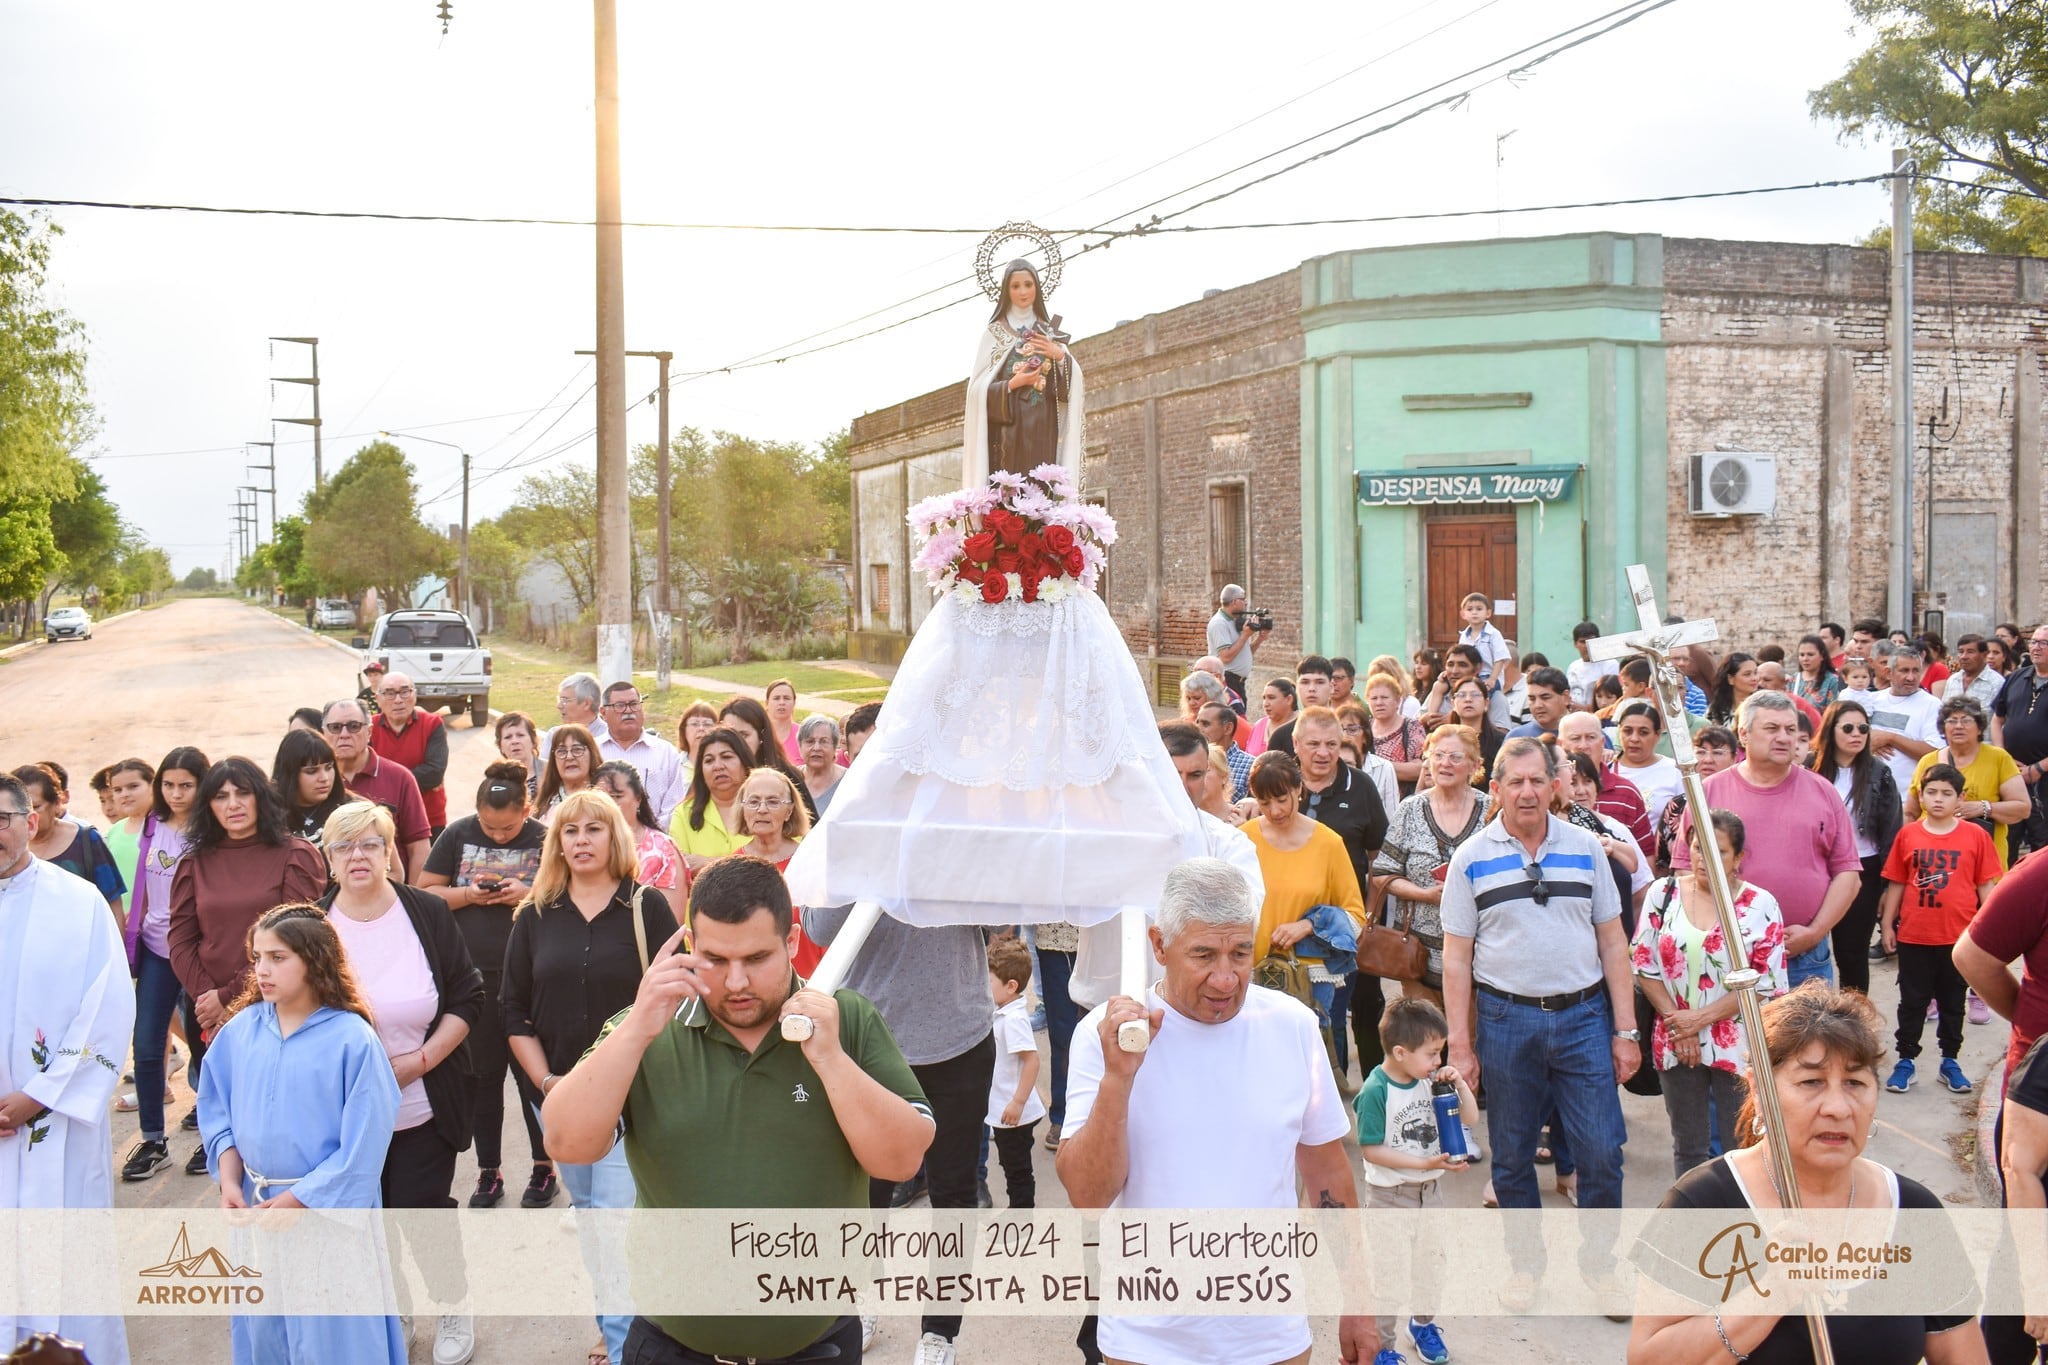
(1585, 670)
(1903, 728)
(1231, 1102)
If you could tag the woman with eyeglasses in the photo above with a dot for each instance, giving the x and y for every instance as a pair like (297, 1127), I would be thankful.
(751, 720)
(572, 761)
(1426, 829)
(1472, 708)
(424, 994)
(242, 861)
(1842, 755)
(174, 788)
(661, 865)
(699, 719)
(581, 941)
(482, 866)
(307, 783)
(777, 823)
(707, 825)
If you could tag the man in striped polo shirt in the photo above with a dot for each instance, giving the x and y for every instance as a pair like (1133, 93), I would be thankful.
(1533, 938)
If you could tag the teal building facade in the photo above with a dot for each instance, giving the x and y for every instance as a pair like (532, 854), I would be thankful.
(1481, 416)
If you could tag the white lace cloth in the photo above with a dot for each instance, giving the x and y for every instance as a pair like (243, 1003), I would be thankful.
(1016, 776)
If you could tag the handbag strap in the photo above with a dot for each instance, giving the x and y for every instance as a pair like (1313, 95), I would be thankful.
(640, 928)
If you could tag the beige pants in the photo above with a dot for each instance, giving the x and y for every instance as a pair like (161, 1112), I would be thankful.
(1427, 1263)
(1301, 1359)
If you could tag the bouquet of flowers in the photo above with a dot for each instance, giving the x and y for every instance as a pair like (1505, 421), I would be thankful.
(1021, 537)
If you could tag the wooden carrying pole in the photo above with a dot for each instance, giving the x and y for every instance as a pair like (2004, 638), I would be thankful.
(1655, 641)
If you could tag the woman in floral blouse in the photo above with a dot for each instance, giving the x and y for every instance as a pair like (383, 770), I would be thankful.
(1682, 960)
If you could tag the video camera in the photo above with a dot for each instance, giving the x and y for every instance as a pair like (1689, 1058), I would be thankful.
(1258, 618)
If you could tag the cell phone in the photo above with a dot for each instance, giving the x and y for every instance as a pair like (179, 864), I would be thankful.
(492, 884)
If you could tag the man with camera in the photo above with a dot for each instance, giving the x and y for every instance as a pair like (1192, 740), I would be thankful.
(1233, 634)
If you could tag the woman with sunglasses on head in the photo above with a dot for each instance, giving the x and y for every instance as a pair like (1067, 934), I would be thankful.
(425, 995)
(1842, 755)
(661, 864)
(571, 764)
(241, 863)
(174, 789)
(751, 720)
(307, 783)
(482, 866)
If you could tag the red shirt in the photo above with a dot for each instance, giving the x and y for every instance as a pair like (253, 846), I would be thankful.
(391, 786)
(1941, 874)
(1934, 677)
(2013, 924)
(410, 750)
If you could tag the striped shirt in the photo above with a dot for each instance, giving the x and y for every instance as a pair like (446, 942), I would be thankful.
(1519, 946)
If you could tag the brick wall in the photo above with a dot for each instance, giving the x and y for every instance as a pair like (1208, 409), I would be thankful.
(1755, 330)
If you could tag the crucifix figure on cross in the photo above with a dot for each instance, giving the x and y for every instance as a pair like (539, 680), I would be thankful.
(1656, 641)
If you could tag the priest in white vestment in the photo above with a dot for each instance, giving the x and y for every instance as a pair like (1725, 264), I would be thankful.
(67, 1010)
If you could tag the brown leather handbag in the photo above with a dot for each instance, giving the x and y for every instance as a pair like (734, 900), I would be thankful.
(1390, 953)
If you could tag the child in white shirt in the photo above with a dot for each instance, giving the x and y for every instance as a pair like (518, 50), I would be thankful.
(1014, 1107)
(1484, 636)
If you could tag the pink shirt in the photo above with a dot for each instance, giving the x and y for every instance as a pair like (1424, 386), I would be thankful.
(392, 970)
(660, 864)
(1797, 837)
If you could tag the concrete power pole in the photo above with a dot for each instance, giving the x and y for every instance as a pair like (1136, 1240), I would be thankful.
(314, 384)
(1899, 600)
(662, 607)
(614, 524)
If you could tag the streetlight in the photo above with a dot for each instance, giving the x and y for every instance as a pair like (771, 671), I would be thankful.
(468, 607)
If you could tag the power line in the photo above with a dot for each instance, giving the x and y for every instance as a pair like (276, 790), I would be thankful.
(2013, 191)
(307, 440)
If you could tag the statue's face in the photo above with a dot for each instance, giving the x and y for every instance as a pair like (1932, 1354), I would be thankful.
(1023, 289)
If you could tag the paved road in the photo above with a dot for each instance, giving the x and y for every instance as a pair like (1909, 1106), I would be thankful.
(224, 676)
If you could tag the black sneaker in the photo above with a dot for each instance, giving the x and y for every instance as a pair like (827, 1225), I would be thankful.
(190, 1123)
(540, 1190)
(1878, 954)
(490, 1188)
(197, 1165)
(982, 1198)
(908, 1193)
(147, 1159)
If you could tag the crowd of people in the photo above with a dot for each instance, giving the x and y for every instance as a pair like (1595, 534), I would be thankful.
(1476, 874)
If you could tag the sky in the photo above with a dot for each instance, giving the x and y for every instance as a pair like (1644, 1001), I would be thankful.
(909, 114)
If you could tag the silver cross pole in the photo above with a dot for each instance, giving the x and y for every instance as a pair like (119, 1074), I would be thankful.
(1655, 641)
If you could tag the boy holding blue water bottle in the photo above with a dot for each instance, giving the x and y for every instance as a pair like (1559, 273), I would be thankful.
(1412, 1130)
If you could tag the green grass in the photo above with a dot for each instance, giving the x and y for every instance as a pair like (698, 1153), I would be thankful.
(807, 677)
(857, 696)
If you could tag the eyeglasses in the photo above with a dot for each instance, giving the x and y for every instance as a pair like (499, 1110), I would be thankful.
(344, 727)
(395, 691)
(622, 706)
(764, 802)
(1847, 728)
(573, 749)
(1538, 892)
(370, 848)
(8, 817)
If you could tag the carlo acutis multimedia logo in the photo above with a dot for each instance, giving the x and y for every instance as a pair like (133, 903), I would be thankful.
(203, 1277)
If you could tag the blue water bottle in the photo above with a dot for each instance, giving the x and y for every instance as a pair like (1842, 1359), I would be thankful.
(1450, 1123)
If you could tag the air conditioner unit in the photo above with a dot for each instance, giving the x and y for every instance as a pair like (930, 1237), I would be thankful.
(1732, 483)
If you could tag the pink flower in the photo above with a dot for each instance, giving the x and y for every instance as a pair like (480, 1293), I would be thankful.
(1673, 961)
(1712, 942)
(1724, 1033)
(1641, 958)
(1724, 1064)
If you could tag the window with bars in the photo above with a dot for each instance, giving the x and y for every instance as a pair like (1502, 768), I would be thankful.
(1229, 537)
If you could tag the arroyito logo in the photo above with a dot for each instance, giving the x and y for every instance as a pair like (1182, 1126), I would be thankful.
(213, 1272)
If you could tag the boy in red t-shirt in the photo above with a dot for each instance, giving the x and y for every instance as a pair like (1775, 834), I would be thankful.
(1947, 864)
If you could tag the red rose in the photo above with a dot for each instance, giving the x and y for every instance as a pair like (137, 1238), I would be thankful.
(1059, 540)
(1030, 587)
(1073, 562)
(1008, 561)
(1031, 545)
(994, 588)
(980, 547)
(1006, 525)
(970, 573)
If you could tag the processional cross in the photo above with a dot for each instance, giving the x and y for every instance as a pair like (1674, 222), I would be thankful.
(1655, 641)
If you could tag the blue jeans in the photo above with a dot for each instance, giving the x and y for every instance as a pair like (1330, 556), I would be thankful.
(1818, 961)
(1532, 1059)
(156, 1000)
(606, 1183)
(1061, 1015)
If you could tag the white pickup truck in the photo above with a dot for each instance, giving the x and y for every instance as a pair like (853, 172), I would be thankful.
(439, 651)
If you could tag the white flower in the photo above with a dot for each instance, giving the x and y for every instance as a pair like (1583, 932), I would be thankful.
(1052, 590)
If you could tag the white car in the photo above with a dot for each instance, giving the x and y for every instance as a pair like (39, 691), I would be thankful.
(334, 612)
(67, 623)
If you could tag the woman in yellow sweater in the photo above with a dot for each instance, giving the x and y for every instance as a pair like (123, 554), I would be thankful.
(1304, 864)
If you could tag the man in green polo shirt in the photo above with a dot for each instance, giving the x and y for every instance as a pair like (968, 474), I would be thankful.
(720, 1112)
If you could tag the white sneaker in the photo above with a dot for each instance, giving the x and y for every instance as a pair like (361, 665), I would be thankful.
(454, 1339)
(933, 1349)
(870, 1324)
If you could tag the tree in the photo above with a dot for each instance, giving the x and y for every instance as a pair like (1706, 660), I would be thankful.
(496, 562)
(554, 517)
(200, 580)
(87, 531)
(1958, 82)
(44, 414)
(287, 548)
(364, 530)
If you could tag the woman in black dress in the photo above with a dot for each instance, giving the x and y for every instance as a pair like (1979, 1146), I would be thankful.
(1824, 1047)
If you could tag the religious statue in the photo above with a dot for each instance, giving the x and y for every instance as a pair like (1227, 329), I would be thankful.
(1025, 396)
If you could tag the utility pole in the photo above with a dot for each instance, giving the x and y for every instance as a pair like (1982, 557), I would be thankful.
(270, 446)
(614, 525)
(314, 384)
(663, 610)
(465, 597)
(1899, 604)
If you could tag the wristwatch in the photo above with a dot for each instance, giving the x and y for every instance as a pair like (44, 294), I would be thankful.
(1629, 1035)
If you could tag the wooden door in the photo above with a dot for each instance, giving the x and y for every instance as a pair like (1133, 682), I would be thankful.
(1465, 554)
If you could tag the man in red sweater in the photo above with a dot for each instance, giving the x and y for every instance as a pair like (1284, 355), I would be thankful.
(416, 740)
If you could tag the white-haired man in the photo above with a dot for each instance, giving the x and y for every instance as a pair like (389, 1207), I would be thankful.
(1231, 640)
(1232, 1068)
(578, 701)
